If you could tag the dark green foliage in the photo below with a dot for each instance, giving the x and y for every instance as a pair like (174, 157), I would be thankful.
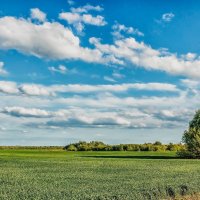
(191, 138)
(170, 192)
(183, 190)
(100, 146)
(195, 123)
(157, 143)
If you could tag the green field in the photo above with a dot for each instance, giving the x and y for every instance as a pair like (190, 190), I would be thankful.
(48, 174)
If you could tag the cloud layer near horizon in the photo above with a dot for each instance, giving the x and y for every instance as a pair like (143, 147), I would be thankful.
(100, 105)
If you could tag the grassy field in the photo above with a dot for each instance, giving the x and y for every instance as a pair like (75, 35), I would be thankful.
(48, 174)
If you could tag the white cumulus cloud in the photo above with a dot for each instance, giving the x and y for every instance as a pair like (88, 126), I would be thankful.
(3, 72)
(167, 17)
(8, 87)
(78, 20)
(60, 69)
(120, 29)
(52, 40)
(26, 112)
(46, 40)
(36, 13)
(35, 90)
(142, 55)
(86, 8)
(78, 17)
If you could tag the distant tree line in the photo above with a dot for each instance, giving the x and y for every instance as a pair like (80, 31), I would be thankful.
(100, 146)
(32, 147)
(190, 148)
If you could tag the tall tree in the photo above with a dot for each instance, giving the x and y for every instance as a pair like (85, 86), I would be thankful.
(191, 138)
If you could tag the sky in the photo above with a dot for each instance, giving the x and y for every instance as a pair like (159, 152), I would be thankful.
(123, 72)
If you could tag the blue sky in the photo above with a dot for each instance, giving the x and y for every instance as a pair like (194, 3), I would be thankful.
(126, 72)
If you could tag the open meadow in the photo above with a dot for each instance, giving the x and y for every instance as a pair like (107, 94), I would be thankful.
(57, 174)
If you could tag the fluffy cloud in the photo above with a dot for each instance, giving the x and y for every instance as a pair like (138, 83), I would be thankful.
(3, 72)
(78, 17)
(110, 79)
(60, 69)
(97, 123)
(70, 2)
(38, 15)
(51, 90)
(25, 112)
(167, 17)
(96, 21)
(84, 88)
(35, 90)
(46, 40)
(52, 40)
(78, 20)
(86, 8)
(174, 115)
(111, 101)
(96, 118)
(192, 84)
(117, 75)
(83, 118)
(142, 55)
(120, 29)
(8, 87)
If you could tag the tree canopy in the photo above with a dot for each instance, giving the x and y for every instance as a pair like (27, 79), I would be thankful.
(191, 138)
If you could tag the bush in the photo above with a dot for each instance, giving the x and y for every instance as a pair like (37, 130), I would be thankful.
(71, 147)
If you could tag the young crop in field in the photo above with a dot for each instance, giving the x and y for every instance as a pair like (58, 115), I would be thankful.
(41, 174)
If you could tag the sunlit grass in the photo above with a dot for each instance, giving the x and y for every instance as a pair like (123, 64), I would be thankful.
(41, 174)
